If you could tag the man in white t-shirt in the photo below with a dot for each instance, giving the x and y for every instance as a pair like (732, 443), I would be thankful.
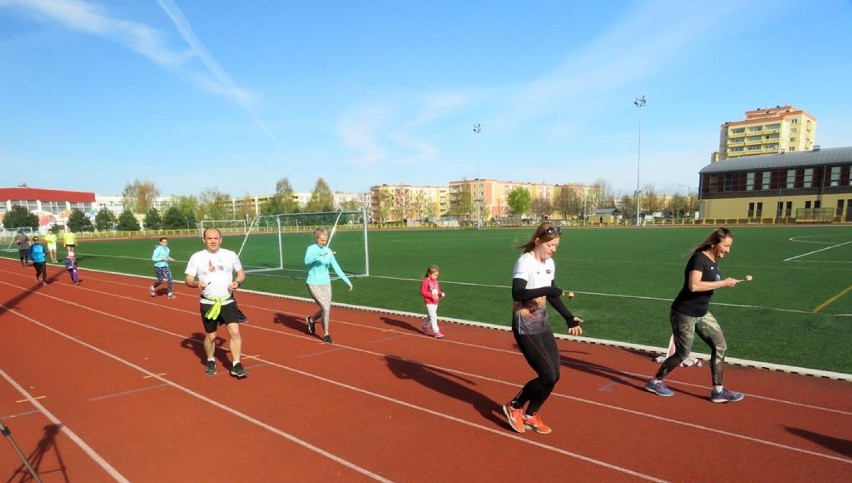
(212, 270)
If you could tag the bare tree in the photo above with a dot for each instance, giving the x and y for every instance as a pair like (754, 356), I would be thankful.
(139, 196)
(213, 204)
(542, 207)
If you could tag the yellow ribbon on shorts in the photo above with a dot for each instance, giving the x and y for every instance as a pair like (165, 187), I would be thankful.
(214, 311)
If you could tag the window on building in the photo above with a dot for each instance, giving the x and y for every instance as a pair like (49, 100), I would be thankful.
(839, 210)
(750, 213)
(30, 205)
(779, 209)
(794, 121)
(729, 181)
(788, 212)
(817, 204)
(754, 138)
(834, 180)
(749, 181)
(764, 180)
(792, 148)
(755, 128)
(754, 148)
(809, 178)
(737, 149)
(794, 129)
(773, 136)
(808, 205)
(738, 130)
(775, 125)
(759, 211)
(791, 178)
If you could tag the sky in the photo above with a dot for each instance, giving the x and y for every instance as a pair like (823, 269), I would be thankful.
(193, 95)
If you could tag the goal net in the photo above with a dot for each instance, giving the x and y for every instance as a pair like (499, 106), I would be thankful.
(276, 244)
(7, 237)
(231, 227)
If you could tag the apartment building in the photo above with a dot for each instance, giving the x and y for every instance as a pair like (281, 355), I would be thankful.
(767, 131)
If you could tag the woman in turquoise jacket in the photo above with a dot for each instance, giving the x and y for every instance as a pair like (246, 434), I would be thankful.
(318, 258)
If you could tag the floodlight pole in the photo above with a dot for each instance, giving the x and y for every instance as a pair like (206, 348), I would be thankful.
(477, 128)
(639, 102)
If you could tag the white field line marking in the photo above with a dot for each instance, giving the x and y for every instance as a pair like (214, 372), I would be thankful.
(817, 251)
(71, 435)
(501, 433)
(201, 397)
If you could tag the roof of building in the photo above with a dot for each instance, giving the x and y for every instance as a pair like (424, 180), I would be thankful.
(41, 194)
(791, 159)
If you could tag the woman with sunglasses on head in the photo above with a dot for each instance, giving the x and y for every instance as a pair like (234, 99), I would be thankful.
(533, 286)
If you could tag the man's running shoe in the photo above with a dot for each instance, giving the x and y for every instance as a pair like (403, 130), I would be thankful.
(238, 370)
(211, 368)
(515, 417)
(725, 395)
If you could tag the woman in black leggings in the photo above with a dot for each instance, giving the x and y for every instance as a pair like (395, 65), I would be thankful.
(533, 285)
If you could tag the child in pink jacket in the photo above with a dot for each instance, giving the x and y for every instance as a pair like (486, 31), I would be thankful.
(430, 289)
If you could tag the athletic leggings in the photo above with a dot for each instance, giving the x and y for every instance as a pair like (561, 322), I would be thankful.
(322, 296)
(163, 273)
(542, 355)
(684, 328)
(41, 270)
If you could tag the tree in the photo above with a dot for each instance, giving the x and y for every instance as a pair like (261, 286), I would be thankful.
(188, 206)
(651, 200)
(542, 207)
(78, 221)
(462, 204)
(213, 203)
(568, 202)
(519, 201)
(139, 196)
(322, 198)
(385, 205)
(173, 219)
(19, 217)
(152, 220)
(105, 220)
(127, 221)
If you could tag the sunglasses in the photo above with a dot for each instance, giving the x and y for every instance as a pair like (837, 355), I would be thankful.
(554, 230)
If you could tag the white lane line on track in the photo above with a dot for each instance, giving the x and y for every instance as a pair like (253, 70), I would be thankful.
(558, 450)
(500, 432)
(71, 435)
(198, 396)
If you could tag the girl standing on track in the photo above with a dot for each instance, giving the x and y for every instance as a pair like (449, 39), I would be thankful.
(533, 285)
(690, 315)
(318, 258)
(430, 289)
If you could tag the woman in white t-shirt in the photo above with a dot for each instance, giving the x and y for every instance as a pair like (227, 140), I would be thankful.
(533, 286)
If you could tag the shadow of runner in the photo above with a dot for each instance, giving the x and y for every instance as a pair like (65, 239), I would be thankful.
(295, 323)
(446, 383)
(196, 344)
(840, 446)
(401, 324)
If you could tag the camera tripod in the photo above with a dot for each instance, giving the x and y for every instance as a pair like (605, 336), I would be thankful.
(8, 434)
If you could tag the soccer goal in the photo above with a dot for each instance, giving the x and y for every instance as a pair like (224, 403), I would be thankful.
(231, 227)
(7, 237)
(275, 244)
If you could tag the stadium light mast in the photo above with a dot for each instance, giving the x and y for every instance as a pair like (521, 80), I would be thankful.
(639, 102)
(477, 128)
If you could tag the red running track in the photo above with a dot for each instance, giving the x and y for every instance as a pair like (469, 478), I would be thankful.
(100, 382)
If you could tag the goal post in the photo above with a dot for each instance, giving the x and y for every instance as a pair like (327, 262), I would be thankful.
(275, 244)
(7, 237)
(227, 227)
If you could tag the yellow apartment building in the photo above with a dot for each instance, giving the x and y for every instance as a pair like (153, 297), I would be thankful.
(767, 131)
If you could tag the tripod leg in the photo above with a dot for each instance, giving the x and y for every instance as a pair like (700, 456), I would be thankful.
(8, 434)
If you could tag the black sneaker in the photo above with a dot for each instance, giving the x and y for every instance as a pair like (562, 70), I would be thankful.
(327, 339)
(211, 368)
(238, 371)
(310, 323)
(241, 316)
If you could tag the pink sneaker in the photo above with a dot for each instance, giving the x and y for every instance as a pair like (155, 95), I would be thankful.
(439, 335)
(426, 329)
